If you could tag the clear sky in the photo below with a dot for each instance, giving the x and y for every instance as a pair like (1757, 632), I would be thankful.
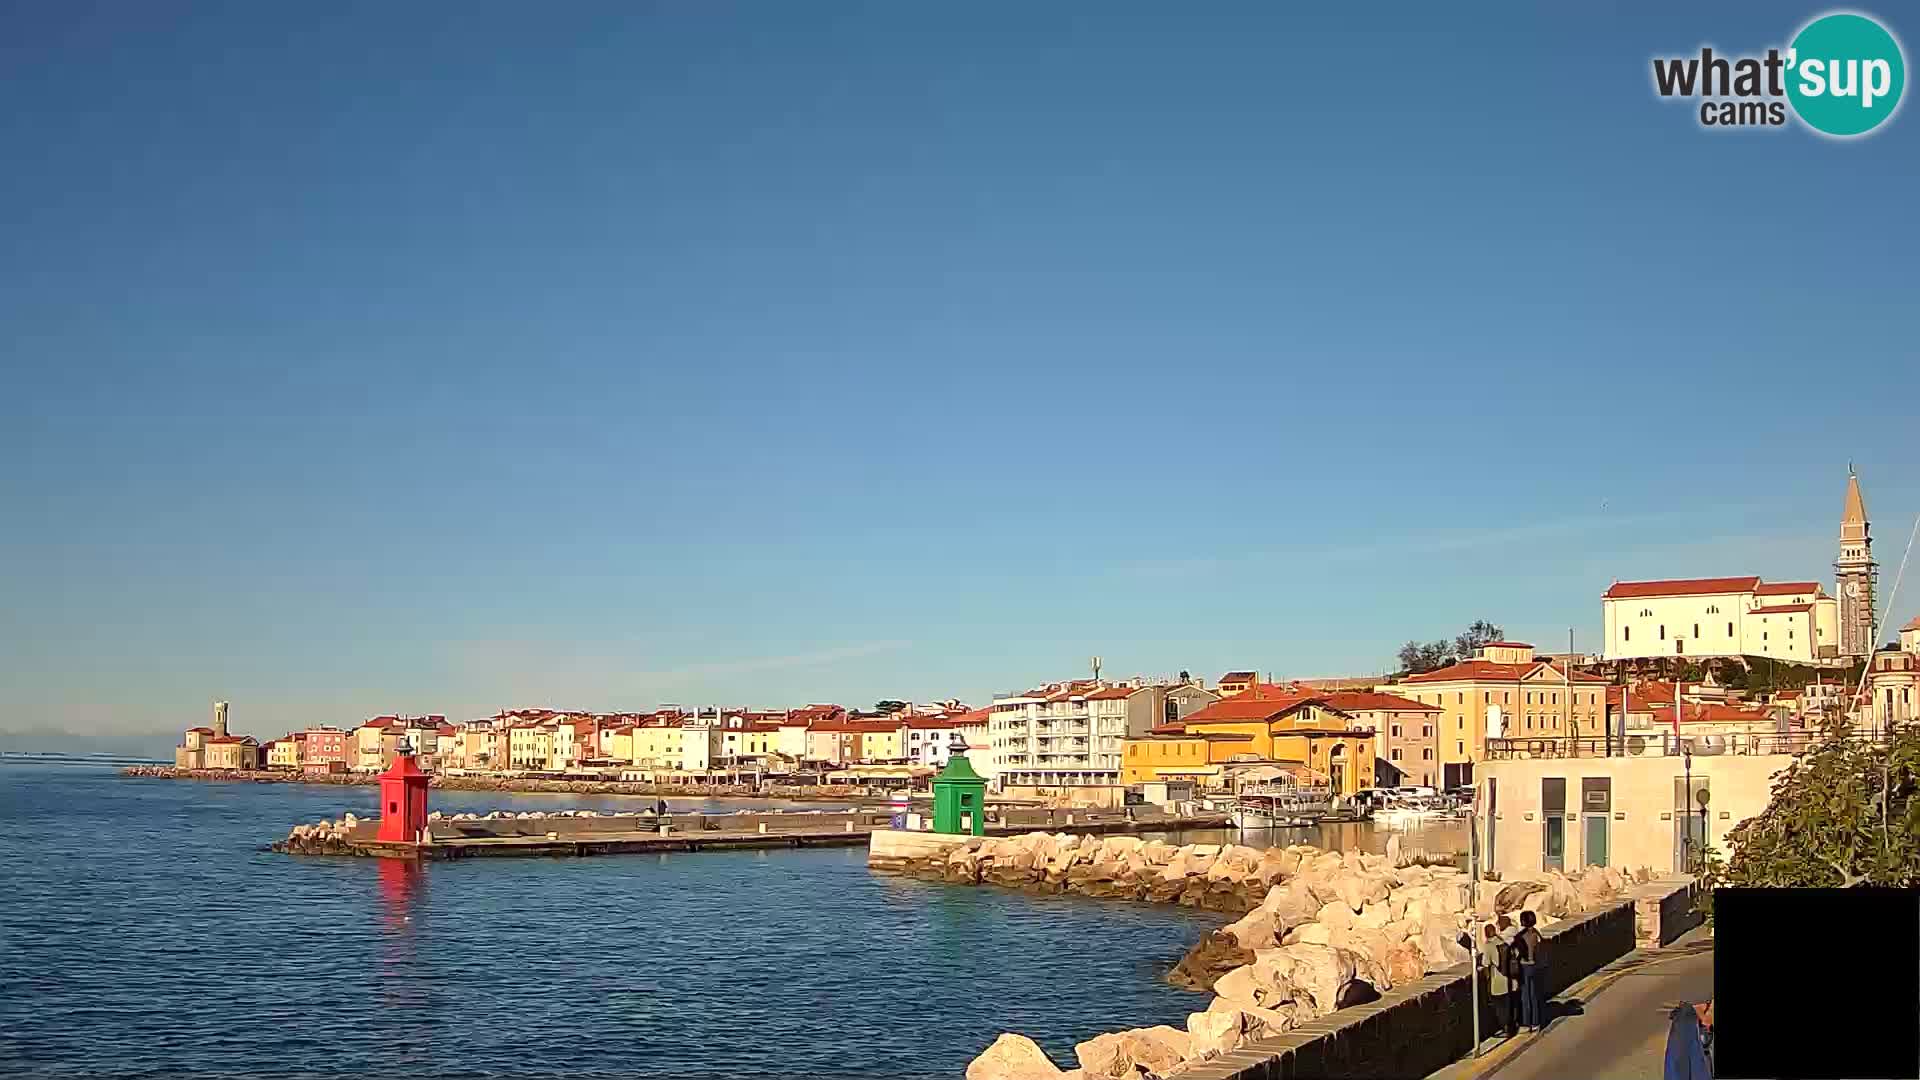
(444, 357)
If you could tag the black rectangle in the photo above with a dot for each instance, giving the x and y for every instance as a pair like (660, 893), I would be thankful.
(1596, 794)
(1839, 967)
(1553, 794)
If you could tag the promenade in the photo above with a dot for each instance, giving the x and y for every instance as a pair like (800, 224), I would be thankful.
(1611, 1025)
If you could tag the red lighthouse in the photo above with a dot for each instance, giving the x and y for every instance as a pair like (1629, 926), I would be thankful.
(403, 800)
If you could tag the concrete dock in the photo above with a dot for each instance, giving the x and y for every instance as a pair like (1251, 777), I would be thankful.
(569, 836)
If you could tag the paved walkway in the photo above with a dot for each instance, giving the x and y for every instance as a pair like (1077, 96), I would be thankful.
(1611, 1025)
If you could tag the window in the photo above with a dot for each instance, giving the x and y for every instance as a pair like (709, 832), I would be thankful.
(1729, 629)
(1489, 697)
(1713, 609)
(1460, 698)
(1696, 629)
(1506, 698)
(1556, 699)
(1789, 635)
(1426, 731)
(1427, 754)
(1459, 747)
(1663, 631)
(1396, 731)
(1763, 635)
(1626, 634)
(1529, 721)
(1646, 613)
(1395, 755)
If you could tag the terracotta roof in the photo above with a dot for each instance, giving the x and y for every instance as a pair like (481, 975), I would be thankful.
(1239, 676)
(1489, 671)
(1913, 625)
(201, 730)
(975, 716)
(1709, 714)
(1681, 587)
(225, 739)
(1363, 700)
(923, 723)
(1786, 588)
(1175, 728)
(1113, 693)
(1245, 707)
(1781, 609)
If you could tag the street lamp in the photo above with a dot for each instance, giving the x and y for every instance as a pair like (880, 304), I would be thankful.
(1686, 806)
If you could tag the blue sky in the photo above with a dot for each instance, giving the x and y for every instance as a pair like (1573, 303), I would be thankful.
(444, 357)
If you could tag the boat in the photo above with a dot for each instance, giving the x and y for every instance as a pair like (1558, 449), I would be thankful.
(1279, 806)
(1402, 811)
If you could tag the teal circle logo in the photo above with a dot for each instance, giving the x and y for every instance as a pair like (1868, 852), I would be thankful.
(1845, 74)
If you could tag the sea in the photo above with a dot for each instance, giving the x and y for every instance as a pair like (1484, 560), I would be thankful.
(146, 932)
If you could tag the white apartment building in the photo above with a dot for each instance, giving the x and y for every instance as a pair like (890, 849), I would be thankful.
(1068, 734)
(1794, 621)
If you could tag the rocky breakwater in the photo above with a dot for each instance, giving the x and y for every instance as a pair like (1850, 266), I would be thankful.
(1331, 930)
(327, 836)
(1215, 877)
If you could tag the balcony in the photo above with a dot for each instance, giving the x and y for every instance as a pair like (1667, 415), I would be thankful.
(1665, 744)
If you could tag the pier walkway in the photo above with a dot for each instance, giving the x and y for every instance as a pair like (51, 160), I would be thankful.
(1610, 1026)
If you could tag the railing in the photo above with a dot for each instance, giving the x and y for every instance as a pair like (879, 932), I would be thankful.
(1665, 744)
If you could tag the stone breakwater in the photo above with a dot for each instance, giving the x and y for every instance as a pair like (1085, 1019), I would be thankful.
(1325, 930)
(336, 836)
(796, 792)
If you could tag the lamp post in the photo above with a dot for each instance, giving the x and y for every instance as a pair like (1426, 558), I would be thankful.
(1686, 807)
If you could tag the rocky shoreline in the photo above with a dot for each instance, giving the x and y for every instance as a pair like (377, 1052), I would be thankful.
(795, 793)
(1320, 931)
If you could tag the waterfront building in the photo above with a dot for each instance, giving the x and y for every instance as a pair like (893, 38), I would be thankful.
(932, 738)
(1502, 691)
(1575, 807)
(447, 746)
(192, 751)
(284, 752)
(485, 745)
(1406, 741)
(657, 743)
(1299, 731)
(530, 745)
(371, 746)
(232, 752)
(323, 750)
(1071, 734)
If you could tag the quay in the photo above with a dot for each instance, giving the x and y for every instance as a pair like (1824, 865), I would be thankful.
(578, 835)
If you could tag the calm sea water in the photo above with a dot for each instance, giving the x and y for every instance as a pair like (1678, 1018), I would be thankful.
(143, 933)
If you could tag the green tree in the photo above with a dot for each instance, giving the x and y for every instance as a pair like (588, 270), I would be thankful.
(888, 706)
(1843, 814)
(1417, 657)
(1480, 633)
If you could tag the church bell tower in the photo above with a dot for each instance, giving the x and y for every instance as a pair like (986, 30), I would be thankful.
(1855, 573)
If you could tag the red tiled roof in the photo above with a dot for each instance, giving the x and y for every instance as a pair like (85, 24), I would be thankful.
(1913, 625)
(1246, 706)
(1709, 714)
(1489, 671)
(445, 729)
(1681, 587)
(923, 722)
(1113, 693)
(201, 730)
(975, 716)
(1787, 588)
(1363, 700)
(224, 739)
(1781, 609)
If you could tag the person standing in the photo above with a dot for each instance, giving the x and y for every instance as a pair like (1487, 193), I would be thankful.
(1499, 984)
(1526, 945)
(1508, 931)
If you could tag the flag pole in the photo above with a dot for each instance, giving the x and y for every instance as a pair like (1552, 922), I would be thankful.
(1473, 905)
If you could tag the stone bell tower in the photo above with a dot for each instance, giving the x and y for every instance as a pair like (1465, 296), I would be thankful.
(1855, 573)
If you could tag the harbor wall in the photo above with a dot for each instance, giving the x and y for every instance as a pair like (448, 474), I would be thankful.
(1424, 1025)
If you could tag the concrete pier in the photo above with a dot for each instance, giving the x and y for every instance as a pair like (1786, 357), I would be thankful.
(558, 835)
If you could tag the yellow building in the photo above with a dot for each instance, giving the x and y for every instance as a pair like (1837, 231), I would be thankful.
(1503, 692)
(238, 752)
(285, 753)
(372, 746)
(1237, 682)
(1263, 725)
(658, 744)
(529, 747)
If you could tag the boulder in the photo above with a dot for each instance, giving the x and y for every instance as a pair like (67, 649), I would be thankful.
(1217, 1031)
(1118, 1055)
(1212, 957)
(1159, 852)
(1012, 1057)
(1312, 933)
(1335, 916)
(1255, 930)
(1440, 944)
(1291, 904)
(1370, 949)
(1405, 963)
(1263, 984)
(1374, 916)
(1513, 895)
(1321, 972)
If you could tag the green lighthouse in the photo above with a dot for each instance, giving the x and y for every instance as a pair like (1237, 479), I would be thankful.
(959, 799)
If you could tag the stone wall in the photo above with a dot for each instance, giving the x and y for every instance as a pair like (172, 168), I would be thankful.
(1666, 909)
(1419, 1026)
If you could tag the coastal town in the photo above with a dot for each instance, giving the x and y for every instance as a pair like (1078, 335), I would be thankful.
(1735, 659)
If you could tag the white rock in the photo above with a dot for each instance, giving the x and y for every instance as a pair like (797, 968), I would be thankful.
(1012, 1057)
